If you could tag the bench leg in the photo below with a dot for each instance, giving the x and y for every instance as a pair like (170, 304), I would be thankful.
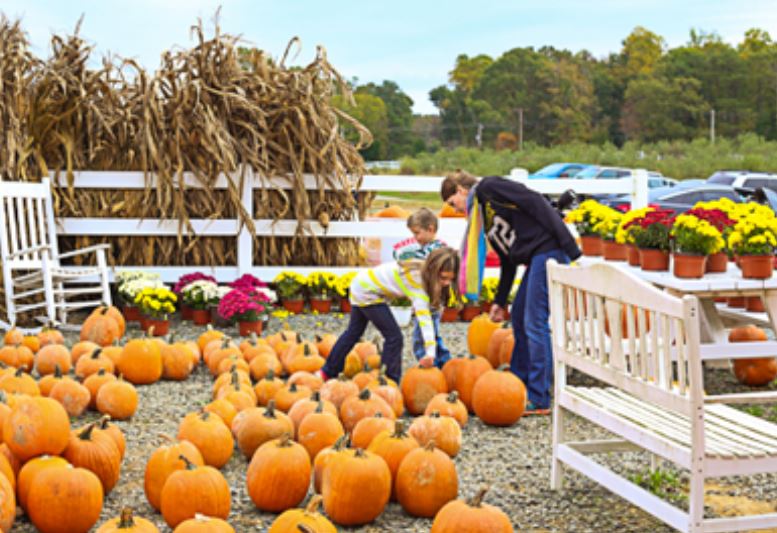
(557, 468)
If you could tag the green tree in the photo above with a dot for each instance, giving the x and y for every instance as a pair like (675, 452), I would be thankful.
(399, 114)
(759, 54)
(371, 112)
(641, 51)
(468, 71)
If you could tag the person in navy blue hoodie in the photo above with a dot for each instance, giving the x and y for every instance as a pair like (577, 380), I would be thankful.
(524, 229)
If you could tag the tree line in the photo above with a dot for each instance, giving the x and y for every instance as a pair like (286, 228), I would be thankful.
(645, 93)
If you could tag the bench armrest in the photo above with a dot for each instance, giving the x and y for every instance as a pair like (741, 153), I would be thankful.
(743, 397)
(87, 250)
(30, 250)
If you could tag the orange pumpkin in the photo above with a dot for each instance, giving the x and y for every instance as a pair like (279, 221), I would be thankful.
(30, 470)
(479, 334)
(17, 355)
(65, 500)
(449, 405)
(305, 406)
(448, 211)
(50, 336)
(13, 336)
(118, 399)
(392, 211)
(209, 335)
(127, 522)
(443, 431)
(210, 435)
(467, 374)
(114, 432)
(278, 476)
(19, 382)
(502, 334)
(93, 384)
(224, 409)
(325, 343)
(365, 404)
(260, 425)
(88, 365)
(141, 362)
(101, 328)
(368, 428)
(324, 457)
(81, 349)
(419, 385)
(52, 356)
(294, 520)
(267, 388)
(96, 451)
(384, 388)
(393, 446)
(499, 397)
(754, 372)
(472, 515)
(204, 524)
(164, 461)
(355, 476)
(36, 426)
(319, 430)
(192, 490)
(73, 396)
(426, 480)
(338, 390)
(177, 361)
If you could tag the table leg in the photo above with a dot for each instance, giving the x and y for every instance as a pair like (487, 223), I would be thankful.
(770, 303)
(711, 325)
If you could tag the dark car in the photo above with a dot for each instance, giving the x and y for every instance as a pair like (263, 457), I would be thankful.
(681, 197)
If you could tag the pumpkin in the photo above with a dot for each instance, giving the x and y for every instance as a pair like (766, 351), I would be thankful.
(754, 372)
(225, 349)
(73, 396)
(6, 470)
(18, 356)
(64, 500)
(100, 328)
(13, 336)
(165, 460)
(449, 370)
(118, 399)
(499, 397)
(449, 405)
(225, 380)
(278, 476)
(467, 374)
(267, 388)
(32, 342)
(209, 335)
(50, 336)
(240, 395)
(95, 451)
(325, 343)
(194, 489)
(204, 524)
(419, 385)
(36, 426)
(127, 523)
(19, 382)
(448, 211)
(224, 409)
(393, 446)
(392, 211)
(30, 470)
(16, 464)
(177, 361)
(319, 430)
(232, 363)
(426, 480)
(261, 364)
(337, 390)
(210, 435)
(93, 384)
(80, 349)
(261, 425)
(499, 336)
(114, 432)
(88, 365)
(384, 388)
(365, 404)
(251, 343)
(141, 362)
(307, 360)
(305, 406)
(113, 353)
(288, 395)
(479, 334)
(50, 357)
(5, 410)
(7, 504)
(473, 516)
(291, 520)
(47, 382)
(356, 487)
(367, 375)
(368, 428)
(309, 380)
(443, 431)
(324, 457)
(353, 364)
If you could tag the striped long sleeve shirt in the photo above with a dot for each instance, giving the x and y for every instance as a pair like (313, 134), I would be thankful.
(385, 282)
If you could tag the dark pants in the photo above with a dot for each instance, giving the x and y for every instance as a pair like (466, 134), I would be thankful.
(533, 355)
(380, 315)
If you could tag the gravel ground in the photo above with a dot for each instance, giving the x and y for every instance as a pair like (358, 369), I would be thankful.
(514, 461)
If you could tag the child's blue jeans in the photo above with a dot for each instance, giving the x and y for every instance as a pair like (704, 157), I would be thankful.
(419, 350)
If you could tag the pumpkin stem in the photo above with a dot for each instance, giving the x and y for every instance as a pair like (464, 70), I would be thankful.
(187, 462)
(359, 452)
(453, 396)
(477, 499)
(399, 430)
(365, 394)
(503, 367)
(315, 396)
(285, 441)
(343, 377)
(86, 434)
(269, 411)
(225, 342)
(430, 446)
(19, 372)
(304, 528)
(126, 521)
(96, 353)
(341, 442)
(57, 372)
(101, 372)
(434, 414)
(318, 338)
(319, 407)
(305, 350)
(382, 380)
(378, 415)
(270, 375)
(103, 422)
(3, 397)
(253, 339)
(293, 387)
(314, 504)
(235, 379)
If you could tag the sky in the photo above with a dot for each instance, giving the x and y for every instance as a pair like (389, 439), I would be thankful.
(414, 43)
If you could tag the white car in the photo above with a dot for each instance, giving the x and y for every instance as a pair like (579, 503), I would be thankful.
(744, 179)
(655, 179)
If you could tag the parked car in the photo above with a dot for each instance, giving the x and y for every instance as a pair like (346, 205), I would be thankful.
(655, 179)
(559, 170)
(681, 197)
(745, 179)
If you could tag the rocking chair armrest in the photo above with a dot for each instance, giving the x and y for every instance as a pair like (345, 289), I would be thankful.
(86, 250)
(30, 250)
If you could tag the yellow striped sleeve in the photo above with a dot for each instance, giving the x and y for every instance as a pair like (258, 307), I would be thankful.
(423, 312)
(407, 292)
(378, 284)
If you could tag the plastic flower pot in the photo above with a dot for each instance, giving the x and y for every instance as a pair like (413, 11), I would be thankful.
(717, 262)
(688, 265)
(613, 251)
(449, 314)
(591, 245)
(469, 312)
(486, 307)
(756, 266)
(294, 306)
(653, 260)
(158, 327)
(247, 327)
(321, 305)
(131, 313)
(200, 317)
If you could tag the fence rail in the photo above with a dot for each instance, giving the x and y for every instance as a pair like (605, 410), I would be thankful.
(450, 230)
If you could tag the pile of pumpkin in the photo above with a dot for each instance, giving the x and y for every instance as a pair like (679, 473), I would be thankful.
(343, 435)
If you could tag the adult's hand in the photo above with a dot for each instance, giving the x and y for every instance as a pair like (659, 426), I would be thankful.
(497, 314)
(426, 362)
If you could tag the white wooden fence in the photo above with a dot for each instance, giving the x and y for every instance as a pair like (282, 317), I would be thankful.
(451, 229)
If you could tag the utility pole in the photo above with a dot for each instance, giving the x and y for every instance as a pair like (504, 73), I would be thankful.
(520, 128)
(712, 126)
(479, 135)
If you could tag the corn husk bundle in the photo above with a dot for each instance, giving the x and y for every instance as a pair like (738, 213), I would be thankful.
(211, 109)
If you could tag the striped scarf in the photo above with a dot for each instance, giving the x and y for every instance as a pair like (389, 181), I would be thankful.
(473, 251)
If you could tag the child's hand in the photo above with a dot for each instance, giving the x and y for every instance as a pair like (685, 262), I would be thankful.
(497, 314)
(426, 362)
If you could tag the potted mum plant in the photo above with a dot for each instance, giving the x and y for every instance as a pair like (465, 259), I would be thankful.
(585, 218)
(156, 304)
(199, 296)
(183, 281)
(402, 311)
(693, 240)
(470, 310)
(129, 285)
(487, 293)
(625, 232)
(753, 239)
(290, 287)
(717, 261)
(248, 310)
(343, 290)
(452, 308)
(606, 229)
(652, 239)
(321, 290)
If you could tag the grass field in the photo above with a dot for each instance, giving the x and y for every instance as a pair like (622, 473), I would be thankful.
(407, 200)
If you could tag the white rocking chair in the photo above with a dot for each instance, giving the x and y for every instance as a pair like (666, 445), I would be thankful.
(31, 260)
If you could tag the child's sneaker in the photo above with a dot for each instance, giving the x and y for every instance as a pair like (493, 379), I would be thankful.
(533, 410)
(322, 375)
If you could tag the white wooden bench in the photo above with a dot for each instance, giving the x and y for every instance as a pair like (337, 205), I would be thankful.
(653, 395)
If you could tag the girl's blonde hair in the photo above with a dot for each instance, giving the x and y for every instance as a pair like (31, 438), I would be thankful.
(444, 259)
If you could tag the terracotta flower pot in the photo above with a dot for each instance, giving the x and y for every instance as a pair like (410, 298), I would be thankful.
(688, 266)
(613, 251)
(158, 327)
(756, 266)
(248, 327)
(186, 312)
(449, 314)
(200, 317)
(469, 312)
(633, 255)
(486, 307)
(653, 260)
(755, 304)
(737, 302)
(320, 305)
(294, 306)
(345, 305)
(717, 262)
(507, 311)
(131, 313)
(591, 245)
(217, 320)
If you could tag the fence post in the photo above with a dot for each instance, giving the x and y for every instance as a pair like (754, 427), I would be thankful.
(245, 241)
(639, 191)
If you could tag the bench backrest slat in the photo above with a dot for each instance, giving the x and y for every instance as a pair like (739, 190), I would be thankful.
(621, 330)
